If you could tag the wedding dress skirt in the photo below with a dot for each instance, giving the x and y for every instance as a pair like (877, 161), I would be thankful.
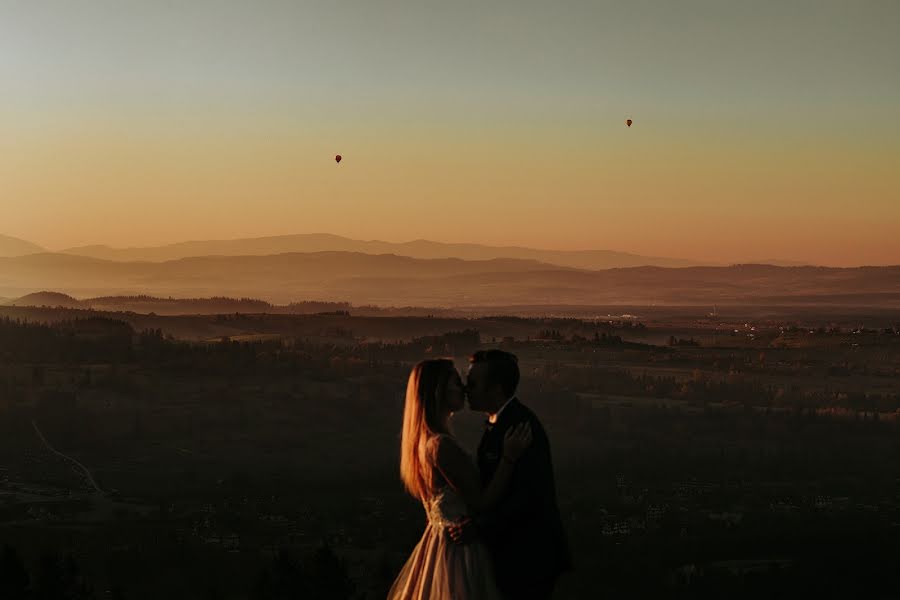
(440, 569)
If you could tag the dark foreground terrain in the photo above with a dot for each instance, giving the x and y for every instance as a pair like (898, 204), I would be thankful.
(748, 454)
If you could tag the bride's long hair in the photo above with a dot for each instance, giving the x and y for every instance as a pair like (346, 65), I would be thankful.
(424, 416)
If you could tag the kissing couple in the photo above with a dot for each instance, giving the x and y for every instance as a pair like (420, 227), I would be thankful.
(494, 530)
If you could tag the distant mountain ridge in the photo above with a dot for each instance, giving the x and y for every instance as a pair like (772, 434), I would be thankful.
(391, 280)
(320, 242)
(144, 304)
(151, 305)
(53, 299)
(10, 246)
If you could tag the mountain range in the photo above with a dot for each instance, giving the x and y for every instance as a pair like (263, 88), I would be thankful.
(323, 242)
(391, 280)
(316, 242)
(10, 246)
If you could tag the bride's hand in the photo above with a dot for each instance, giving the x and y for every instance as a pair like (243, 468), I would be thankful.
(516, 441)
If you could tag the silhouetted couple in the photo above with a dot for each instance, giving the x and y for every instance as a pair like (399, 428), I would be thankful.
(494, 531)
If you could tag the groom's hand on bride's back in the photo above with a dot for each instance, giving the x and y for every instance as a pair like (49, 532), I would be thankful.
(463, 532)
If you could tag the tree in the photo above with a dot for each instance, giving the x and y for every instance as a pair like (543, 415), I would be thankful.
(13, 576)
(59, 578)
(328, 576)
(385, 573)
(283, 580)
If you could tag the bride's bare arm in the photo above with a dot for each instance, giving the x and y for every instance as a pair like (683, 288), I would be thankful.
(460, 472)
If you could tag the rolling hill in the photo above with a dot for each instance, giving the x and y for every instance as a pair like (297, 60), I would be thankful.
(390, 280)
(585, 259)
(10, 246)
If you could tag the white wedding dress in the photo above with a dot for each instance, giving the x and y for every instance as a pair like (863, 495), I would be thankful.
(440, 569)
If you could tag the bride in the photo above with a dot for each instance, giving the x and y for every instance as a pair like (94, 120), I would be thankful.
(437, 471)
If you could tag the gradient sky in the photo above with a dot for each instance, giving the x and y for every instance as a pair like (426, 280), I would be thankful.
(761, 129)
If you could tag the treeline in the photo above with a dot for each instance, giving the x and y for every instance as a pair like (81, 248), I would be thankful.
(578, 341)
(700, 389)
(143, 298)
(92, 339)
(102, 340)
(55, 576)
(311, 307)
(319, 574)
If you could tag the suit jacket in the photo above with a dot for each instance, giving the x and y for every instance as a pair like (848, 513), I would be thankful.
(524, 532)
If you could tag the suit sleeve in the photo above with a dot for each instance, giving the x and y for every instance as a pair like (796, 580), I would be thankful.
(528, 491)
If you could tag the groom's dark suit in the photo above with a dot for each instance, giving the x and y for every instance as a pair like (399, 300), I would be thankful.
(524, 533)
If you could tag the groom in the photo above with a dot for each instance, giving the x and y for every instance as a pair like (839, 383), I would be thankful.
(524, 533)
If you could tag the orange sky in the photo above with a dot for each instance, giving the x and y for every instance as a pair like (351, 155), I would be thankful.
(750, 140)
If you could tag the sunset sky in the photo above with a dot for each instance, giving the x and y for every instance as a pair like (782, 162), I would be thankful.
(761, 129)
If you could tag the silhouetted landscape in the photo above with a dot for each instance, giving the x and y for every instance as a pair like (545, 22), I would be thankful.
(398, 300)
(389, 279)
(210, 447)
(305, 243)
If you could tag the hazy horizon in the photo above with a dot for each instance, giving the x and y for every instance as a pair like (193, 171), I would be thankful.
(768, 130)
(234, 238)
(667, 261)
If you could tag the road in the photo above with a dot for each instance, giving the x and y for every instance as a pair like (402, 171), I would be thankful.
(69, 459)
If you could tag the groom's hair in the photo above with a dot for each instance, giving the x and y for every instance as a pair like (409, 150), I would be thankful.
(503, 368)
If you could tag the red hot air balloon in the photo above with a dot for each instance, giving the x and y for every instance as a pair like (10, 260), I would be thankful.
(337, 158)
(628, 122)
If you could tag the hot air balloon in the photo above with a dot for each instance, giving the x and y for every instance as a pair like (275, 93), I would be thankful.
(337, 158)
(628, 122)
